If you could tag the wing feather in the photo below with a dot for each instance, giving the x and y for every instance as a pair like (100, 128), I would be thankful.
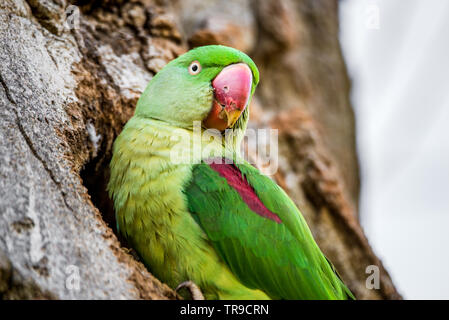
(278, 256)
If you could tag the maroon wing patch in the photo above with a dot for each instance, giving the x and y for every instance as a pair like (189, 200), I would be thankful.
(235, 179)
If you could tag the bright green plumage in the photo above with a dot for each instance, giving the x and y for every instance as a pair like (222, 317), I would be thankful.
(185, 220)
(281, 259)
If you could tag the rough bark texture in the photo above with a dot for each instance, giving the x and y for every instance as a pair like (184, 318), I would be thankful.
(67, 91)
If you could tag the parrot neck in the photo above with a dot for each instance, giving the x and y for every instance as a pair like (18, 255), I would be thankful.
(233, 141)
(181, 145)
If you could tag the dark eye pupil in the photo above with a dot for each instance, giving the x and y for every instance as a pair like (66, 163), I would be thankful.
(194, 68)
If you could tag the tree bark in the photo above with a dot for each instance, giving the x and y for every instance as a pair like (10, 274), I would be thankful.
(69, 82)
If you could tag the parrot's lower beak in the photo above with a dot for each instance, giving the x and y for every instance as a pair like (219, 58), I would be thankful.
(232, 90)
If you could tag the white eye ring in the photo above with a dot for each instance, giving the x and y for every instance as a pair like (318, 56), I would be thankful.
(194, 68)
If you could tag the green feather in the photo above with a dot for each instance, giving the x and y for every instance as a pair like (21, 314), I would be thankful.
(283, 260)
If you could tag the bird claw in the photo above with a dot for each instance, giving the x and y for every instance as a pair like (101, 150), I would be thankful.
(194, 290)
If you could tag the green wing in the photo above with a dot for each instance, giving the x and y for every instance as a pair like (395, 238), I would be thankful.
(275, 253)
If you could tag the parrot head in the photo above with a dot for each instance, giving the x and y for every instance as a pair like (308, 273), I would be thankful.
(211, 84)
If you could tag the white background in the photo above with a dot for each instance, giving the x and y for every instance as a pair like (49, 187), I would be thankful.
(397, 52)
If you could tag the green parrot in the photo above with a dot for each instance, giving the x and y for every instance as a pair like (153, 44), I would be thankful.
(192, 207)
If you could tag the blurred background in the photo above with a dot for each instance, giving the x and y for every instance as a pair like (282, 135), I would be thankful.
(397, 56)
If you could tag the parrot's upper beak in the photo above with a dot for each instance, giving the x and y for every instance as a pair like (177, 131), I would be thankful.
(232, 90)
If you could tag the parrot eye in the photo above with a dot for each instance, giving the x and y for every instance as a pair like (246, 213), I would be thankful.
(194, 68)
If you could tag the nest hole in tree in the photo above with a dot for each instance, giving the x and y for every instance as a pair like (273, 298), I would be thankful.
(95, 176)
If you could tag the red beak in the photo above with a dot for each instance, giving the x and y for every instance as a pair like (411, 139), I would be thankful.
(232, 89)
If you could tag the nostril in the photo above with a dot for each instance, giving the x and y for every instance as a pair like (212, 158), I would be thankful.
(226, 89)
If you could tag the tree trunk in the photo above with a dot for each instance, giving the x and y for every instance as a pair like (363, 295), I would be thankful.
(71, 74)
